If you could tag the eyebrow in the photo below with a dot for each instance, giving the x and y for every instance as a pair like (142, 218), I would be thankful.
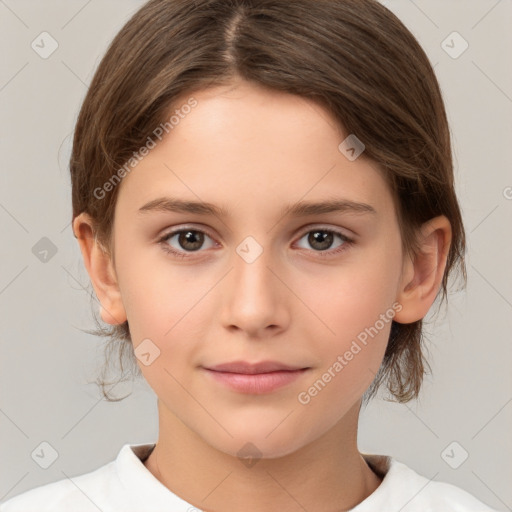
(302, 208)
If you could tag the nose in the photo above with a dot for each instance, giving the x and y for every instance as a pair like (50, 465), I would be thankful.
(255, 298)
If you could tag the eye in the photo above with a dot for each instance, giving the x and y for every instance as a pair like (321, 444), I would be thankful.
(322, 239)
(187, 240)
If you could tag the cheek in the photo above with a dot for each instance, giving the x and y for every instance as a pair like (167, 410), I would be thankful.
(157, 294)
(353, 311)
(349, 362)
(167, 305)
(346, 300)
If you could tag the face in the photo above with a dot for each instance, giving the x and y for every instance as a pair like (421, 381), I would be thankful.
(312, 291)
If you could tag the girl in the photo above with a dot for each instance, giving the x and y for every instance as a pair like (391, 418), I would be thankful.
(263, 196)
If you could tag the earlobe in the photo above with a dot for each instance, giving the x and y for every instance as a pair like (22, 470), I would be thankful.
(422, 275)
(101, 271)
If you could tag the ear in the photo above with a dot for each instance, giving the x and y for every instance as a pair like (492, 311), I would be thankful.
(101, 270)
(422, 276)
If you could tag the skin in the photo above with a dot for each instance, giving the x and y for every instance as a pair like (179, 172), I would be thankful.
(253, 151)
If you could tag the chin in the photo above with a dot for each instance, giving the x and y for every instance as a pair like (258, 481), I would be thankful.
(257, 443)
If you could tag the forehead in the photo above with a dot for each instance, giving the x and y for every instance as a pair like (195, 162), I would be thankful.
(247, 111)
(244, 144)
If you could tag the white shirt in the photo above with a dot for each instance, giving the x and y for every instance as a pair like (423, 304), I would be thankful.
(126, 485)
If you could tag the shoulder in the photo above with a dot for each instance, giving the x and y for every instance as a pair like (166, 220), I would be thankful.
(434, 495)
(83, 493)
(406, 490)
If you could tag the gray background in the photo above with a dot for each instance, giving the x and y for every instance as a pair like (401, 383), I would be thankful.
(47, 361)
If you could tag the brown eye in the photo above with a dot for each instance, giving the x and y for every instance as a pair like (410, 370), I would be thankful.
(190, 240)
(183, 241)
(322, 239)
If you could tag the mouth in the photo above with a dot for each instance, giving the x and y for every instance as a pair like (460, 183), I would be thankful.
(255, 378)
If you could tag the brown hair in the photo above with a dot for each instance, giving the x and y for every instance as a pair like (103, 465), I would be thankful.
(355, 57)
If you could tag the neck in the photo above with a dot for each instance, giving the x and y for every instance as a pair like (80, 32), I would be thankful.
(327, 475)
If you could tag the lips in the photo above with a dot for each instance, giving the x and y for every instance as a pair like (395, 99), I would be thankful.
(253, 368)
(254, 378)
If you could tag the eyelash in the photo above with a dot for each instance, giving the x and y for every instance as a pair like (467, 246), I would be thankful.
(347, 242)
